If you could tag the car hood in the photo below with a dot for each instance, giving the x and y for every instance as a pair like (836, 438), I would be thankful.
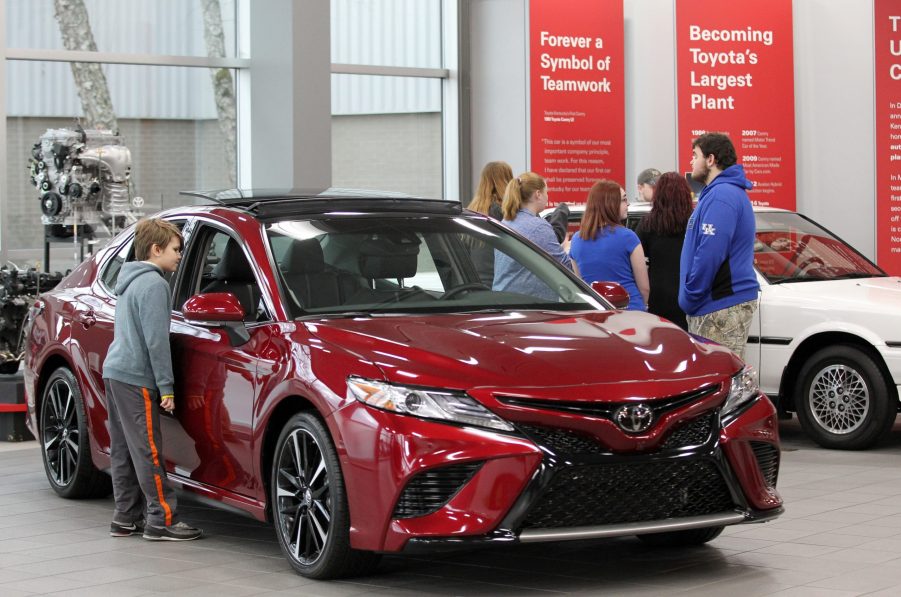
(530, 349)
(868, 295)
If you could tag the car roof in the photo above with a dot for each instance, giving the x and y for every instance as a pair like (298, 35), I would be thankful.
(270, 203)
(645, 206)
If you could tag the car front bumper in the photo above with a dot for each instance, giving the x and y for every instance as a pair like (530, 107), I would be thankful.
(544, 485)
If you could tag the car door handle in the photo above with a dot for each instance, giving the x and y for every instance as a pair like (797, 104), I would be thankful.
(86, 319)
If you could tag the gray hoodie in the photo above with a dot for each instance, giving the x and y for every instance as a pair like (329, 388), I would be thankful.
(140, 354)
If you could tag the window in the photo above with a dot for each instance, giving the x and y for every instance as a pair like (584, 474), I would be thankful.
(110, 274)
(218, 264)
(169, 71)
(390, 96)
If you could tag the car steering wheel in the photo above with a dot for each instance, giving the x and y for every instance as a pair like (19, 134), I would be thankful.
(468, 287)
(802, 267)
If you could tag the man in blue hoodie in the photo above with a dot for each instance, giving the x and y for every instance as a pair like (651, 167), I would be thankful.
(718, 286)
(138, 377)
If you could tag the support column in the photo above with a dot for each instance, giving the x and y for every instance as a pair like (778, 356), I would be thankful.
(288, 143)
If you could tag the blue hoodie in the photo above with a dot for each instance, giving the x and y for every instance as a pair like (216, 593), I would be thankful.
(140, 354)
(716, 270)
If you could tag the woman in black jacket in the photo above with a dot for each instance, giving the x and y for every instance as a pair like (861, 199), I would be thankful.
(661, 233)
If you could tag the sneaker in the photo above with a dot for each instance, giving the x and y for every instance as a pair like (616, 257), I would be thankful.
(120, 529)
(176, 532)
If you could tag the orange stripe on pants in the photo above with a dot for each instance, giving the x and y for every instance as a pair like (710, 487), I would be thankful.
(148, 412)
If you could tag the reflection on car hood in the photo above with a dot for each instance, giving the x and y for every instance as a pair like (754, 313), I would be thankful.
(529, 348)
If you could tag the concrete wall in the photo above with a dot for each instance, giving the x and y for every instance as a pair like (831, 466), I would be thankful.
(834, 117)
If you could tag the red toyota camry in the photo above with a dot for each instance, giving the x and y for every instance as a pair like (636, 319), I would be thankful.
(347, 370)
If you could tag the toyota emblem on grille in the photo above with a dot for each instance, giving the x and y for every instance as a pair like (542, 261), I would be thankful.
(634, 418)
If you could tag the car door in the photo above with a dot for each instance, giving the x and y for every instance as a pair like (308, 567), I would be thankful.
(92, 331)
(209, 440)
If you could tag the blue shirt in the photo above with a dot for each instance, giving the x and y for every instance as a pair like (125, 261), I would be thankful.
(510, 275)
(609, 258)
(717, 263)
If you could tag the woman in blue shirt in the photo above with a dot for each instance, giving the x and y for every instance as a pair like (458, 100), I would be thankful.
(604, 249)
(524, 198)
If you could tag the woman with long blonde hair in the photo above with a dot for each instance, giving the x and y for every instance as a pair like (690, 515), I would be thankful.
(524, 198)
(490, 192)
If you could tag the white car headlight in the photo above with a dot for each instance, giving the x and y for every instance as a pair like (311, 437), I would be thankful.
(429, 404)
(744, 388)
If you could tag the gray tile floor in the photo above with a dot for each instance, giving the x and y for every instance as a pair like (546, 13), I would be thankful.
(840, 535)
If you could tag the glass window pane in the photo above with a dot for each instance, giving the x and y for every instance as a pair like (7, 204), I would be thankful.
(387, 32)
(170, 27)
(387, 134)
(167, 118)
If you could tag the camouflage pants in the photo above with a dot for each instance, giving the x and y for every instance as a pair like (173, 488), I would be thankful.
(727, 326)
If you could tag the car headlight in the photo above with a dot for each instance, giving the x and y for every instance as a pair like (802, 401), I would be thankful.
(429, 404)
(744, 388)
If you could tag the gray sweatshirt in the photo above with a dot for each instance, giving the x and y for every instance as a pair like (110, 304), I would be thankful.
(140, 354)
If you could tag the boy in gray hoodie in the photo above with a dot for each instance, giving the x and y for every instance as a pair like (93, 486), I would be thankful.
(137, 374)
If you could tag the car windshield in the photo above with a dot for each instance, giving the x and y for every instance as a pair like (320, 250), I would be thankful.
(791, 248)
(350, 265)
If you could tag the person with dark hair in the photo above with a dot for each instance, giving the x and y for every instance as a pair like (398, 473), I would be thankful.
(661, 233)
(718, 285)
(525, 197)
(647, 180)
(604, 249)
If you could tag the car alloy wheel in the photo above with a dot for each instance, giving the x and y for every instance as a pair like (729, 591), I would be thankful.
(304, 498)
(64, 440)
(839, 399)
(60, 433)
(309, 503)
(843, 399)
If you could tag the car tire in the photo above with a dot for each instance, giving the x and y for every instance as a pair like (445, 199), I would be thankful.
(843, 400)
(65, 445)
(682, 538)
(309, 504)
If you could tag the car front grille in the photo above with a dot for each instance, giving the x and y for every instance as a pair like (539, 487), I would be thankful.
(589, 495)
(768, 460)
(694, 432)
(563, 441)
(431, 489)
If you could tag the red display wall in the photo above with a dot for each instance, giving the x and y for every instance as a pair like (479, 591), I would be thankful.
(735, 74)
(577, 101)
(887, 15)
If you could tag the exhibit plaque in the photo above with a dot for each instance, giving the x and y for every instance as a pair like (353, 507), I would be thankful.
(577, 100)
(887, 15)
(735, 75)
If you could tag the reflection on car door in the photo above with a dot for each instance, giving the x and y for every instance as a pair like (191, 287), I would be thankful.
(210, 440)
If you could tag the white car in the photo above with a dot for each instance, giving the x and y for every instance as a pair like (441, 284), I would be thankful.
(826, 339)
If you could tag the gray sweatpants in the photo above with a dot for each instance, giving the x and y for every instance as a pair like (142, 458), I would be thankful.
(136, 456)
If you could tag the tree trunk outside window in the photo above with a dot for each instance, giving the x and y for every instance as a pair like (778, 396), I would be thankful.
(223, 82)
(75, 27)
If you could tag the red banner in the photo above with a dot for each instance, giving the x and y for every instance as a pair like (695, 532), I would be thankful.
(577, 96)
(735, 75)
(887, 15)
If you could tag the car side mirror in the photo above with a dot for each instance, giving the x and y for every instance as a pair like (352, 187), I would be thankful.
(218, 309)
(615, 294)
